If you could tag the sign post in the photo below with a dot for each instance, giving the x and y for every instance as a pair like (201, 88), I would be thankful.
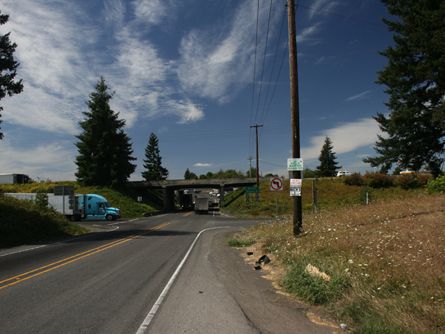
(275, 185)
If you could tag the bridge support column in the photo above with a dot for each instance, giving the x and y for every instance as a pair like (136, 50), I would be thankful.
(169, 199)
(221, 195)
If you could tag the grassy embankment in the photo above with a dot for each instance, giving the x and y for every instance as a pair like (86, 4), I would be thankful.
(128, 206)
(331, 193)
(385, 261)
(23, 222)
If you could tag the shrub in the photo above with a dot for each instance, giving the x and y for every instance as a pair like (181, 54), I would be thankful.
(354, 180)
(437, 185)
(412, 181)
(379, 180)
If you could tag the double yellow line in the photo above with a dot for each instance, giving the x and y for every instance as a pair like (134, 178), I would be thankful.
(14, 280)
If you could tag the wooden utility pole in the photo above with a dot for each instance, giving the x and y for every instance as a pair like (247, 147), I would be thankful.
(297, 216)
(256, 126)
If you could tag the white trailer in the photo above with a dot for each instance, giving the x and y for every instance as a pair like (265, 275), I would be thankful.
(201, 203)
(64, 204)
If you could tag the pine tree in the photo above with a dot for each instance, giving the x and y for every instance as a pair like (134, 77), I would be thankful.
(153, 161)
(8, 66)
(104, 148)
(414, 131)
(328, 165)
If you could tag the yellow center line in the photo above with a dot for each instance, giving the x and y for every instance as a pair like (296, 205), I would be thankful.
(187, 214)
(54, 265)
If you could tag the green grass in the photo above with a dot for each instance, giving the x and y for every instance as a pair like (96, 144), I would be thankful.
(313, 289)
(128, 206)
(332, 193)
(23, 222)
(237, 242)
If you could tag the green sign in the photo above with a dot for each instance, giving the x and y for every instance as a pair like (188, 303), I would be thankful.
(295, 164)
(251, 190)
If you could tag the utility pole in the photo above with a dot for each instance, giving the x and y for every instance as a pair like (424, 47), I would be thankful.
(250, 166)
(256, 126)
(297, 216)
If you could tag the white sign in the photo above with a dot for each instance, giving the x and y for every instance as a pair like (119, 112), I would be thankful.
(276, 184)
(294, 164)
(295, 187)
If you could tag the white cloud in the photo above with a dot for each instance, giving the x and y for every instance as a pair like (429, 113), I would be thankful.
(150, 11)
(114, 11)
(360, 96)
(53, 161)
(308, 33)
(216, 65)
(321, 7)
(202, 164)
(345, 138)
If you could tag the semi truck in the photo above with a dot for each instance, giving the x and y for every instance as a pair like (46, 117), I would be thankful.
(201, 203)
(76, 206)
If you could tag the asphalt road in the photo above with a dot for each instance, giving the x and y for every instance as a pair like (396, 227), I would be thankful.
(109, 282)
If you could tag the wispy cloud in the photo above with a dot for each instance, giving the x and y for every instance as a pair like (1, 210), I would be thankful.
(345, 138)
(308, 33)
(215, 65)
(321, 7)
(360, 96)
(202, 164)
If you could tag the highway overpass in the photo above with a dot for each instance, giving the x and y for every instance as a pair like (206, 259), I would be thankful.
(169, 187)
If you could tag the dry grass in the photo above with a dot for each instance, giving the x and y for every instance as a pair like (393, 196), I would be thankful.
(392, 253)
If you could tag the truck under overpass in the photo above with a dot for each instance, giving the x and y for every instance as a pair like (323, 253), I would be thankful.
(170, 186)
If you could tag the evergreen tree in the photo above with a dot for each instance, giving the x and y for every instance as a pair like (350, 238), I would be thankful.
(328, 165)
(414, 131)
(8, 66)
(188, 175)
(153, 161)
(104, 148)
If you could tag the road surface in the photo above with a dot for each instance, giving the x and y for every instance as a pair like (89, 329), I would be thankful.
(113, 281)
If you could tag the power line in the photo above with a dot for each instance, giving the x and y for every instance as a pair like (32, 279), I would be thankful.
(252, 105)
(279, 42)
(264, 61)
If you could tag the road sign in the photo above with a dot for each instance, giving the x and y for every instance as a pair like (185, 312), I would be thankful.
(251, 190)
(276, 184)
(295, 187)
(294, 164)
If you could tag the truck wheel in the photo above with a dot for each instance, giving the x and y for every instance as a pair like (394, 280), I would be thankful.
(109, 217)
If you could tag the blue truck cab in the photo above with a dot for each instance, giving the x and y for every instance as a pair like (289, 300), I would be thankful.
(96, 207)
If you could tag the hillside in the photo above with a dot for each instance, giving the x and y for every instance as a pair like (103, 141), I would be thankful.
(23, 222)
(129, 207)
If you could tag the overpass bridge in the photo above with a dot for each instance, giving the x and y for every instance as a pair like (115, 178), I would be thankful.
(170, 186)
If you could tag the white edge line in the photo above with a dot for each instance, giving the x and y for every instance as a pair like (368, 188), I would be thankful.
(23, 250)
(144, 326)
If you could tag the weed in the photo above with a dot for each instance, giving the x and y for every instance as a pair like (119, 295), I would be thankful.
(240, 242)
(313, 289)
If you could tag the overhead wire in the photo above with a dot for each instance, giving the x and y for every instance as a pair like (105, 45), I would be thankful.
(252, 105)
(264, 61)
(268, 96)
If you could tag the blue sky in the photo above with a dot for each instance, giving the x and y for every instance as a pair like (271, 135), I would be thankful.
(184, 69)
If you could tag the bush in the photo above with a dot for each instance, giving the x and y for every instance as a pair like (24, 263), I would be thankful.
(379, 180)
(412, 181)
(437, 185)
(354, 180)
